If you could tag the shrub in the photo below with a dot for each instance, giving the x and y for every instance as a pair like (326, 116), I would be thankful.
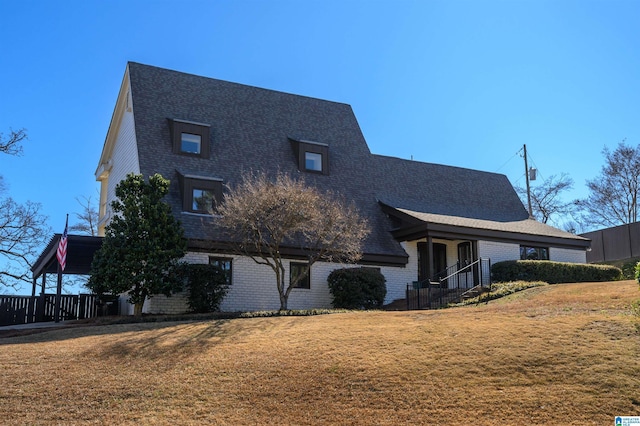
(638, 272)
(499, 290)
(628, 268)
(553, 272)
(357, 288)
(635, 312)
(206, 286)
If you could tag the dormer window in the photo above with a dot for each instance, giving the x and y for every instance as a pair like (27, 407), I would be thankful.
(190, 138)
(313, 157)
(200, 194)
(202, 200)
(313, 161)
(190, 143)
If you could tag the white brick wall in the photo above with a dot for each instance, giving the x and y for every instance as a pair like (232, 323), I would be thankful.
(567, 255)
(254, 287)
(498, 252)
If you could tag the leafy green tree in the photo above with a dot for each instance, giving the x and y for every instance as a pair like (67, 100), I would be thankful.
(142, 245)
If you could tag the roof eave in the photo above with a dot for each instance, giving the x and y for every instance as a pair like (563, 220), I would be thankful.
(122, 105)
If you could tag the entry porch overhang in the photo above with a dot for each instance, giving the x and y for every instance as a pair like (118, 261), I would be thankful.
(414, 225)
(80, 251)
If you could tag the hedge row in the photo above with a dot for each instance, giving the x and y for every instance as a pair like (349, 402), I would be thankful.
(553, 272)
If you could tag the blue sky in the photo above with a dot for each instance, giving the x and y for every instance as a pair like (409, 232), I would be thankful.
(463, 83)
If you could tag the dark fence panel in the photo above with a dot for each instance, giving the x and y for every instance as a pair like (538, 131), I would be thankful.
(28, 309)
(634, 239)
(617, 243)
(15, 309)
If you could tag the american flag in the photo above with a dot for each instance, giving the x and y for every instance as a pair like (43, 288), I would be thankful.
(62, 247)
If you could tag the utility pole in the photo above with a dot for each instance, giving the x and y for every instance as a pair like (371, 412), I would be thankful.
(526, 173)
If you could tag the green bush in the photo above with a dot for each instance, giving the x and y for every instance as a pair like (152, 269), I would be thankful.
(499, 290)
(357, 288)
(638, 272)
(553, 272)
(628, 268)
(206, 286)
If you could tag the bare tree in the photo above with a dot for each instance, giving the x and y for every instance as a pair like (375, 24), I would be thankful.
(265, 218)
(88, 219)
(546, 198)
(22, 234)
(12, 145)
(23, 229)
(613, 198)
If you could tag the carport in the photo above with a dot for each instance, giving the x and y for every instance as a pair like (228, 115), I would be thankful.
(80, 252)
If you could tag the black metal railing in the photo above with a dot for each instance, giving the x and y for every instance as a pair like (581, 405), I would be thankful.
(448, 286)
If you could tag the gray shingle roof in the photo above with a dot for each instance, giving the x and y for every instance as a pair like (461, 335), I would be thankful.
(447, 190)
(523, 226)
(251, 130)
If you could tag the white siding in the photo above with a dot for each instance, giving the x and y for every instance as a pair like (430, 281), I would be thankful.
(125, 157)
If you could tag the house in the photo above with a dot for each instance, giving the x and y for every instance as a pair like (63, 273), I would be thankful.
(203, 133)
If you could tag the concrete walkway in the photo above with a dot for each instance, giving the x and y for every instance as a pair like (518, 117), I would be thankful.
(50, 324)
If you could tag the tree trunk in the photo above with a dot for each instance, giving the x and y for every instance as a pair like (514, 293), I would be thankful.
(283, 301)
(137, 308)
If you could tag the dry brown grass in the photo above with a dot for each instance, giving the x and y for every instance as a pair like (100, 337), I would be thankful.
(564, 354)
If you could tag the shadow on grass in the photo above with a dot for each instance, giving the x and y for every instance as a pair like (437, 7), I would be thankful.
(101, 326)
(170, 341)
(154, 335)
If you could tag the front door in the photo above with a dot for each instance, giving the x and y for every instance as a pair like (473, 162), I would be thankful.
(439, 265)
(466, 257)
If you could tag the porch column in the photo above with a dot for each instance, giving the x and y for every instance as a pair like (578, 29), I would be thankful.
(32, 301)
(475, 257)
(430, 254)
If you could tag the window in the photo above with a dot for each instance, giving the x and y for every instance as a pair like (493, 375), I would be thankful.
(190, 143)
(200, 194)
(190, 138)
(202, 200)
(224, 263)
(313, 161)
(534, 253)
(311, 156)
(300, 272)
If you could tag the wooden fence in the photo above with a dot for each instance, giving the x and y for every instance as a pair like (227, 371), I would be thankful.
(30, 309)
(617, 243)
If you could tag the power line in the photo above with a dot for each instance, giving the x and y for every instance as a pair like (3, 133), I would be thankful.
(517, 153)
